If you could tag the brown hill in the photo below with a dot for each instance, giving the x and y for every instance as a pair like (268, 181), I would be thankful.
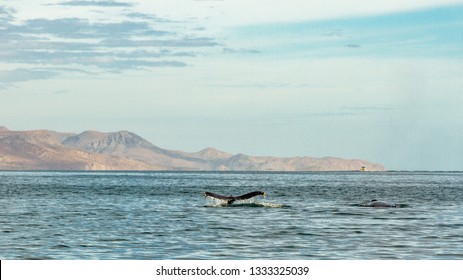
(43, 150)
(124, 150)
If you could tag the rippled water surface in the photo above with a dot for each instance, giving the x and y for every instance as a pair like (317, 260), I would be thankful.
(164, 215)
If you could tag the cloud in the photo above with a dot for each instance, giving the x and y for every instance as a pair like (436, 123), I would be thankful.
(364, 110)
(60, 92)
(334, 33)
(352, 46)
(187, 42)
(76, 28)
(150, 17)
(243, 12)
(347, 111)
(6, 14)
(10, 77)
(137, 64)
(134, 40)
(240, 51)
(23, 74)
(96, 3)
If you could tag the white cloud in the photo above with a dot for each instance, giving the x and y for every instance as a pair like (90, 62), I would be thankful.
(97, 3)
(97, 40)
(239, 12)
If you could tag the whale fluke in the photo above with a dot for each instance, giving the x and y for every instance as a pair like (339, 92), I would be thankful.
(231, 199)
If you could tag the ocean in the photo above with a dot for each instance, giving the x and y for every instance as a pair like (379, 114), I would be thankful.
(164, 215)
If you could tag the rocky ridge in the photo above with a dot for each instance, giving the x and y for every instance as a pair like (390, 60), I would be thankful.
(124, 150)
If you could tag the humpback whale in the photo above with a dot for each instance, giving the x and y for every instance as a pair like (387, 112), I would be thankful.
(376, 203)
(230, 199)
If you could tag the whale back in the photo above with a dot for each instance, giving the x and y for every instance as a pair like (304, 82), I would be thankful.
(376, 203)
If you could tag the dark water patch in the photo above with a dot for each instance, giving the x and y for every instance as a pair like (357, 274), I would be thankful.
(450, 256)
(308, 234)
(223, 228)
(348, 214)
(451, 226)
(60, 246)
(29, 214)
(26, 257)
(386, 218)
(112, 240)
(402, 205)
(412, 218)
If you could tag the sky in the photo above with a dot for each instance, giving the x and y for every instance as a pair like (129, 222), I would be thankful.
(360, 79)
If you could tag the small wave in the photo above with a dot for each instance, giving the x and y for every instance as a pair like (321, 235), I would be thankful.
(35, 257)
(243, 203)
(112, 240)
(60, 246)
(348, 214)
(272, 205)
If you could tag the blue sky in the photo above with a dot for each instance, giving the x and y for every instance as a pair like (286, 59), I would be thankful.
(378, 81)
(432, 32)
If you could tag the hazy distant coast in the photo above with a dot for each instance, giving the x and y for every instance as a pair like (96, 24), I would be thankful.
(124, 150)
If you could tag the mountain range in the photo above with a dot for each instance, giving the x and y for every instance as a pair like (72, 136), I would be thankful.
(124, 150)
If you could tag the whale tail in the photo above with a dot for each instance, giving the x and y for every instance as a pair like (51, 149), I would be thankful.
(231, 199)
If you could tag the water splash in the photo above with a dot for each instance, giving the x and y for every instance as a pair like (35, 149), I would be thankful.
(252, 204)
(243, 203)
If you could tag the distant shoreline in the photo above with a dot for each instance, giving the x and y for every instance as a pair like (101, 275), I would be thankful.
(124, 151)
(226, 172)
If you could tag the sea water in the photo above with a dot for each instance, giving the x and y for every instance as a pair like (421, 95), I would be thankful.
(164, 215)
